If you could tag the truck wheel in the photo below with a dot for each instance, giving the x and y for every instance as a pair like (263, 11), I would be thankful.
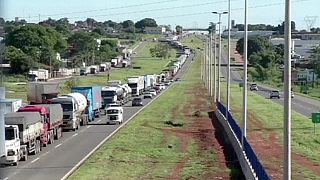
(15, 163)
(25, 157)
(38, 146)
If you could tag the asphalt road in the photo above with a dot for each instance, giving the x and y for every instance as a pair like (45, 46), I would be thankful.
(303, 105)
(58, 159)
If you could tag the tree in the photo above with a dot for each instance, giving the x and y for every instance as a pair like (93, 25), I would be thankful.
(19, 61)
(128, 26)
(63, 26)
(161, 51)
(255, 44)
(81, 41)
(179, 29)
(146, 22)
(34, 39)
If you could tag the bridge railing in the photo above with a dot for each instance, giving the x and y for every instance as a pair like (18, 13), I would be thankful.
(256, 165)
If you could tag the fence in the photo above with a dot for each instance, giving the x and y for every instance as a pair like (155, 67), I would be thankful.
(256, 165)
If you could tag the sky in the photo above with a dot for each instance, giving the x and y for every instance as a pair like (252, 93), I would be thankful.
(187, 13)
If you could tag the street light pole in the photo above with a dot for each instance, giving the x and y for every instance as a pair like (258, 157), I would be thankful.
(215, 67)
(219, 59)
(210, 63)
(229, 58)
(245, 72)
(287, 93)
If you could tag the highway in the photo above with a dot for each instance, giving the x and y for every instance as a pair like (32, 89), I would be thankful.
(56, 160)
(303, 105)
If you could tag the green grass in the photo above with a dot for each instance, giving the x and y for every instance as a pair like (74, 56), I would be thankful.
(304, 141)
(140, 150)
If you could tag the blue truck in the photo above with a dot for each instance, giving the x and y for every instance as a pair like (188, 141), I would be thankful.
(93, 95)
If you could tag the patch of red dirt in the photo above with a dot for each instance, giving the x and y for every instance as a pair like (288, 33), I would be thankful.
(270, 149)
(202, 130)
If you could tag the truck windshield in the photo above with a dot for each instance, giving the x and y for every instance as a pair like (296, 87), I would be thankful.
(67, 107)
(134, 85)
(112, 111)
(108, 93)
(9, 132)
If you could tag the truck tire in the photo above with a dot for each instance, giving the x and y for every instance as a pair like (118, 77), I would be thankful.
(25, 157)
(51, 137)
(15, 163)
(38, 147)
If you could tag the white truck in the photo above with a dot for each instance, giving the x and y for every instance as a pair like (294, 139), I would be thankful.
(126, 63)
(38, 75)
(136, 83)
(23, 133)
(75, 110)
(114, 115)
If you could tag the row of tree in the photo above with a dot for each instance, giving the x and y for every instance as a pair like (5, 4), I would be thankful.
(36, 46)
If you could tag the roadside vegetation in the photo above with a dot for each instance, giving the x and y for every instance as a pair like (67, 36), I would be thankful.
(265, 120)
(151, 148)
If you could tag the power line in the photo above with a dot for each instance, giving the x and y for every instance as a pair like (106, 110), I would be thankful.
(146, 11)
(234, 9)
(104, 9)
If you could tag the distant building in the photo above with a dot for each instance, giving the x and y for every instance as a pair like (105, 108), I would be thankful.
(234, 33)
(299, 47)
(155, 30)
(307, 75)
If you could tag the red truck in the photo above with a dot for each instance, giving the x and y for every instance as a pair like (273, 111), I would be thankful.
(52, 116)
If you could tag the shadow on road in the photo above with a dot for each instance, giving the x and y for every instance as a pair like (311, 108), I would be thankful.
(230, 156)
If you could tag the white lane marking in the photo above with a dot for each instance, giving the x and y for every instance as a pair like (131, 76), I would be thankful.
(88, 127)
(100, 120)
(115, 131)
(6, 178)
(75, 135)
(58, 145)
(35, 160)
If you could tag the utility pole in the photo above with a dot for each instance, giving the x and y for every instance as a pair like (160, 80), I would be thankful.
(245, 72)
(215, 67)
(287, 93)
(219, 59)
(210, 64)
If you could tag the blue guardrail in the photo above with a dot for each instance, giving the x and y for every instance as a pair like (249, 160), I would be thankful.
(260, 171)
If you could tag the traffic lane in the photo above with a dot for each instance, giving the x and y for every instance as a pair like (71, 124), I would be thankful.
(299, 106)
(60, 159)
(7, 171)
(58, 167)
(55, 162)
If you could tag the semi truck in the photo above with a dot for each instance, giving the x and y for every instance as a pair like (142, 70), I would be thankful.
(52, 116)
(75, 110)
(42, 92)
(116, 94)
(93, 96)
(126, 63)
(23, 132)
(10, 105)
(149, 81)
(136, 83)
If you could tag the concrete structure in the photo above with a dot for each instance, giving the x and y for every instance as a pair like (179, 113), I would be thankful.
(307, 75)
(155, 30)
(299, 46)
(306, 36)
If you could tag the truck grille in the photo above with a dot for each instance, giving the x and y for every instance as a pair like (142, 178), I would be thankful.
(113, 117)
(66, 116)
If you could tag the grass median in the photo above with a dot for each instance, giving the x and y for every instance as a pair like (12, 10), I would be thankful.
(262, 109)
(151, 148)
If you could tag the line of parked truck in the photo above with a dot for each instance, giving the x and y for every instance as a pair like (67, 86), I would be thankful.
(29, 128)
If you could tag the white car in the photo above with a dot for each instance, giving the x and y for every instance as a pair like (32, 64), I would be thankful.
(114, 115)
(153, 92)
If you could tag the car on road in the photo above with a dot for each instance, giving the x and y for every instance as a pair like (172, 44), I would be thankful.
(153, 92)
(167, 83)
(254, 87)
(147, 95)
(113, 105)
(275, 94)
(114, 115)
(137, 101)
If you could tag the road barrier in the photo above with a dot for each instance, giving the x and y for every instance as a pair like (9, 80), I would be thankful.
(245, 153)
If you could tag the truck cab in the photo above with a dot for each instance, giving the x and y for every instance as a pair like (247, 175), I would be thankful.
(14, 151)
(114, 115)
